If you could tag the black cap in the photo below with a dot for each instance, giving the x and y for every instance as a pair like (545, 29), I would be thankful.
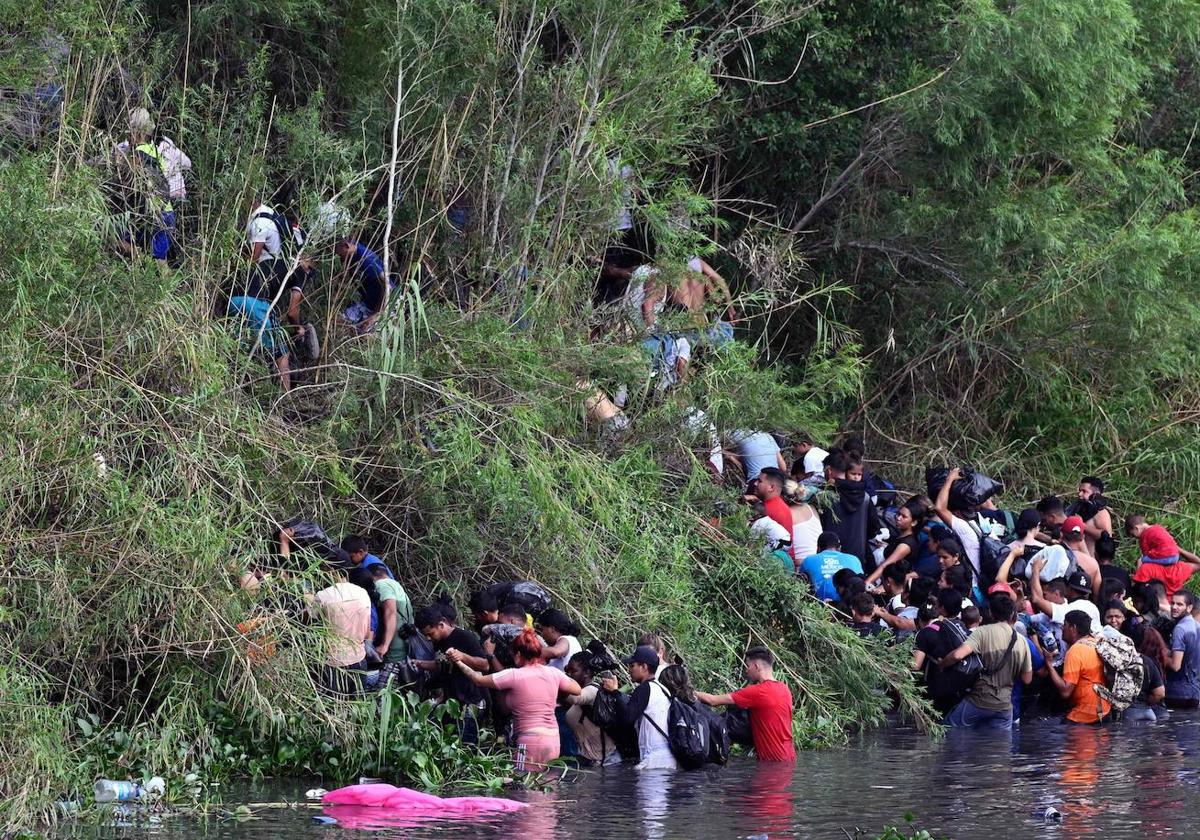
(1078, 581)
(644, 655)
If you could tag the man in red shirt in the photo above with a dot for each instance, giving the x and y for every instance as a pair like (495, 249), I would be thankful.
(769, 489)
(770, 705)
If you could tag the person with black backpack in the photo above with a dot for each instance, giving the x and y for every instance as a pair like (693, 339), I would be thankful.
(145, 170)
(1005, 658)
(279, 268)
(597, 744)
(698, 734)
(647, 709)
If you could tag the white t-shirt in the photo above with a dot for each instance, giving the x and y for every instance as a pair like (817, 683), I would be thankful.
(653, 746)
(1059, 615)
(1057, 563)
(814, 460)
(573, 647)
(771, 532)
(758, 450)
(263, 230)
(970, 542)
(805, 535)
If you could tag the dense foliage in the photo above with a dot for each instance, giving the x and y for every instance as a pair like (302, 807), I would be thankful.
(148, 460)
(966, 227)
(1015, 219)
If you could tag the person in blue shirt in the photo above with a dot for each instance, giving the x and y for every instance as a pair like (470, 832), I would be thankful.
(366, 267)
(356, 547)
(828, 561)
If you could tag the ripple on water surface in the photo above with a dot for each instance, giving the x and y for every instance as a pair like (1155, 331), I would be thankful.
(1126, 781)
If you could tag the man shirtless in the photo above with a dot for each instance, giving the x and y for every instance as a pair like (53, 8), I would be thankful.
(1073, 537)
(696, 284)
(1093, 510)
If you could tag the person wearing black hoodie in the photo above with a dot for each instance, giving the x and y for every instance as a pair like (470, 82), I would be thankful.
(851, 515)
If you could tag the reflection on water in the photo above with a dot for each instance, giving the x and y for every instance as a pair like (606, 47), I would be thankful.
(1120, 782)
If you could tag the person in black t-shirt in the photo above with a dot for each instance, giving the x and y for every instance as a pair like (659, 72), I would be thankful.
(934, 641)
(862, 609)
(453, 644)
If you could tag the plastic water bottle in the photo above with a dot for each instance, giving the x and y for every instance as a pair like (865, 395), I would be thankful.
(109, 790)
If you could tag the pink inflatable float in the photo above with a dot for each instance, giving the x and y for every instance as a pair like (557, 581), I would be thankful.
(414, 803)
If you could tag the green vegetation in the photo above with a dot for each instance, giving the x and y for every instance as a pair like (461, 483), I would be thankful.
(968, 228)
(1017, 223)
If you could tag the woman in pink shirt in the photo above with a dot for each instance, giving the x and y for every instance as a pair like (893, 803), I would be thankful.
(532, 690)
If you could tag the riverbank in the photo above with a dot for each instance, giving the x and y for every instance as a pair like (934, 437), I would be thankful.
(1123, 782)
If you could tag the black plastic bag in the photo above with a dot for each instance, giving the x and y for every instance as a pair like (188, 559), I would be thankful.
(528, 594)
(970, 491)
(605, 710)
(718, 734)
(737, 726)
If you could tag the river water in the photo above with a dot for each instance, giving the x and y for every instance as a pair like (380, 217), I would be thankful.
(1126, 781)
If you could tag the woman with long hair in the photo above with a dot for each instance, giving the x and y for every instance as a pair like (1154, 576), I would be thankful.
(531, 692)
(1149, 642)
(956, 571)
(904, 545)
(675, 679)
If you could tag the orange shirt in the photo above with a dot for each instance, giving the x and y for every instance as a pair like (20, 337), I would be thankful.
(1084, 667)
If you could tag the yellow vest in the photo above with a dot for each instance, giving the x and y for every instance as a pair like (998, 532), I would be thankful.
(152, 150)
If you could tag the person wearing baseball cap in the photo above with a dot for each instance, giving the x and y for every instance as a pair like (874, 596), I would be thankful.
(646, 710)
(1004, 588)
(1074, 537)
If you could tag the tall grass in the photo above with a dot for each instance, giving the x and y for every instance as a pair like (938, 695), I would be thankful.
(146, 460)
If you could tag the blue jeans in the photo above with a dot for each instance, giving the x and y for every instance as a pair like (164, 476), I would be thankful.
(716, 336)
(1161, 561)
(966, 715)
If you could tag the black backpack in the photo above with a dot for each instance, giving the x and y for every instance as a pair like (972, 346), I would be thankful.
(152, 180)
(287, 239)
(606, 708)
(688, 733)
(991, 554)
(604, 712)
(718, 752)
(972, 666)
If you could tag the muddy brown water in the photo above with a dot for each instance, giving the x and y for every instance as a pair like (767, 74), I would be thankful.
(1125, 781)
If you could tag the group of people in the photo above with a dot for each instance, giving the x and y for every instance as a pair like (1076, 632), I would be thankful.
(520, 667)
(267, 295)
(1011, 613)
(148, 188)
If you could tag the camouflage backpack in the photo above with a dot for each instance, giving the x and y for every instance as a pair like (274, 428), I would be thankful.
(1123, 671)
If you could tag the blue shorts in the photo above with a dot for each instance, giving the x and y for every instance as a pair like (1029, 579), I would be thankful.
(157, 239)
(256, 315)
